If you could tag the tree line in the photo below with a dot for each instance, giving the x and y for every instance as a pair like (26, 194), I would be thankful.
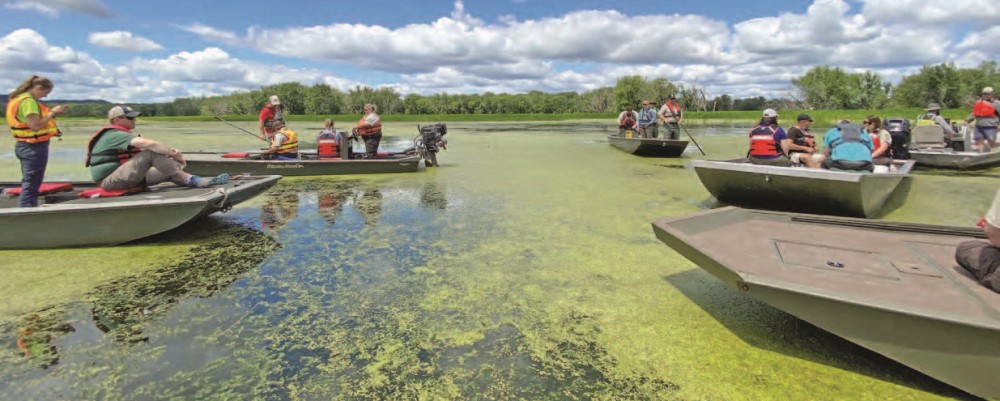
(821, 88)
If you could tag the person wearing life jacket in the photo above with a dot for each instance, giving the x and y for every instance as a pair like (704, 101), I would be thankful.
(270, 116)
(881, 140)
(848, 147)
(647, 120)
(802, 144)
(986, 114)
(32, 124)
(369, 128)
(769, 142)
(329, 142)
(982, 258)
(627, 120)
(671, 115)
(932, 116)
(120, 159)
(284, 144)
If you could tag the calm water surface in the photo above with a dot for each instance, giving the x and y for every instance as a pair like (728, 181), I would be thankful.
(523, 268)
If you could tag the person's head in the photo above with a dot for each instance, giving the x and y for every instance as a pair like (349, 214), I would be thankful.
(328, 123)
(279, 125)
(122, 115)
(769, 116)
(873, 123)
(628, 108)
(988, 91)
(671, 97)
(645, 104)
(37, 86)
(371, 108)
(933, 108)
(274, 101)
(804, 121)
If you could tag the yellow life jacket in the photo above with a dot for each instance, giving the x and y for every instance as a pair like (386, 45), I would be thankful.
(20, 129)
(291, 144)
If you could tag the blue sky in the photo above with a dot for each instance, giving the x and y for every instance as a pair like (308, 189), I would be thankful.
(155, 51)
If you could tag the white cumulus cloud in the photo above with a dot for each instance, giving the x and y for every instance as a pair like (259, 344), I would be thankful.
(52, 8)
(123, 40)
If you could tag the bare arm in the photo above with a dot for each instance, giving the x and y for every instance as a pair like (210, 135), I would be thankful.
(784, 145)
(158, 147)
(36, 123)
(992, 234)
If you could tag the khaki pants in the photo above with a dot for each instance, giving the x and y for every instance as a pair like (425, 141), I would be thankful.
(648, 131)
(146, 168)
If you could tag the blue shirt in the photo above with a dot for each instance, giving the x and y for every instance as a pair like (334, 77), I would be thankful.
(779, 135)
(647, 116)
(848, 151)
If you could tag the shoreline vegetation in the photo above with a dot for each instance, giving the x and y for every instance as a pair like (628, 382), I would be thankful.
(786, 117)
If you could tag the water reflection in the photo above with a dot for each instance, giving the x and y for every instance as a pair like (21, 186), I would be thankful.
(279, 209)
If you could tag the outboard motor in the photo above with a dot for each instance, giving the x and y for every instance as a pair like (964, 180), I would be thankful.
(899, 129)
(430, 141)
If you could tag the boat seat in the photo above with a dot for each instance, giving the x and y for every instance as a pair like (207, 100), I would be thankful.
(45, 189)
(109, 193)
(235, 155)
(928, 136)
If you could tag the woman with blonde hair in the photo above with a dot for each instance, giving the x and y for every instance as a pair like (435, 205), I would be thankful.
(369, 128)
(32, 124)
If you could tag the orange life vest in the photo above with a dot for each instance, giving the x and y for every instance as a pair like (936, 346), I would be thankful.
(762, 142)
(365, 130)
(327, 144)
(983, 108)
(121, 156)
(20, 129)
(876, 143)
(673, 109)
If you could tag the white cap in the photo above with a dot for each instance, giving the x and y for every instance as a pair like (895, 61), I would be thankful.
(122, 110)
(988, 90)
(274, 100)
(770, 113)
(993, 215)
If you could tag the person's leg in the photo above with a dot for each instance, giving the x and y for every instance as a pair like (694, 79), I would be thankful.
(655, 128)
(978, 135)
(34, 158)
(371, 144)
(675, 131)
(981, 259)
(991, 136)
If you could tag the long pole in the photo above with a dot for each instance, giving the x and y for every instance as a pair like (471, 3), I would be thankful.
(239, 128)
(692, 139)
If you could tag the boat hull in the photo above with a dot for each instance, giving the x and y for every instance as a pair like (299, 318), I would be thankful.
(109, 221)
(649, 147)
(898, 292)
(204, 163)
(799, 189)
(946, 158)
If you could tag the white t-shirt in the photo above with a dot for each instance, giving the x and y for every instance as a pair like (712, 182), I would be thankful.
(278, 139)
(372, 119)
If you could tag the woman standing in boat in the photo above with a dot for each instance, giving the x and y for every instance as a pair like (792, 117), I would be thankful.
(32, 125)
(369, 128)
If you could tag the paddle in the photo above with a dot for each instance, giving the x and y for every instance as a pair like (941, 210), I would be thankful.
(674, 115)
(240, 128)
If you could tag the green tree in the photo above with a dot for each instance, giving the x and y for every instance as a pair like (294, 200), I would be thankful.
(628, 91)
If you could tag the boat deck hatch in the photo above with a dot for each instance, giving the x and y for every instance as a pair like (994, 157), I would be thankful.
(799, 254)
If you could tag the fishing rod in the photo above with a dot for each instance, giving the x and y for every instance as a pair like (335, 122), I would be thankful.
(240, 128)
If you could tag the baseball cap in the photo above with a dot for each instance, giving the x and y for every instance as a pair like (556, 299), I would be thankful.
(933, 106)
(988, 90)
(274, 100)
(122, 110)
(804, 117)
(770, 113)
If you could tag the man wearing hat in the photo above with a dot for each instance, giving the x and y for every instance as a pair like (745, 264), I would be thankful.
(981, 258)
(119, 159)
(802, 143)
(933, 117)
(986, 113)
(671, 115)
(270, 115)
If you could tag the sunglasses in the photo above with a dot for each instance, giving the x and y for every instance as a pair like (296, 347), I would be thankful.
(868, 122)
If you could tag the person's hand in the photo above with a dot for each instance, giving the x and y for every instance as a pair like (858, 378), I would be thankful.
(178, 157)
(58, 110)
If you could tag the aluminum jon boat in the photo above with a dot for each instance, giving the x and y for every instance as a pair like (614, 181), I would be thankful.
(213, 163)
(649, 147)
(67, 217)
(858, 194)
(950, 159)
(893, 288)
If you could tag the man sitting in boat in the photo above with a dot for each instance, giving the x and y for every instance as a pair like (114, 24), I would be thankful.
(847, 147)
(119, 159)
(933, 117)
(284, 144)
(980, 258)
(329, 142)
(627, 120)
(802, 144)
(986, 114)
(769, 142)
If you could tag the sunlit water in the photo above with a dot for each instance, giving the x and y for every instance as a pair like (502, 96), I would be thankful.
(522, 268)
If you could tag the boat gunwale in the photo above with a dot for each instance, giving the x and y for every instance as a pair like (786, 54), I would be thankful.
(740, 165)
